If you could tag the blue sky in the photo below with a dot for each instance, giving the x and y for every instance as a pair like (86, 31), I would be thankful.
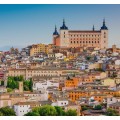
(22, 25)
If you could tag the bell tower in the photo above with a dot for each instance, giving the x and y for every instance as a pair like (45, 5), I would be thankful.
(64, 36)
(104, 36)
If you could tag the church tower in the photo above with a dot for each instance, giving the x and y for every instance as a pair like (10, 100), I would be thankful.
(104, 36)
(64, 36)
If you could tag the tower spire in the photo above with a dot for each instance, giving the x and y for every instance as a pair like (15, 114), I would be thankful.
(63, 21)
(104, 26)
(64, 26)
(55, 32)
(104, 21)
(93, 28)
(55, 28)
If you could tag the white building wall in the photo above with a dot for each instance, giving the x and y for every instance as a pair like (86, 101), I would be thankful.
(21, 110)
(111, 101)
(60, 103)
(44, 85)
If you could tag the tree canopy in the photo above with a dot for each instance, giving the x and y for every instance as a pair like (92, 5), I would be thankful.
(71, 112)
(98, 107)
(111, 112)
(48, 110)
(6, 111)
(32, 114)
(60, 111)
(13, 82)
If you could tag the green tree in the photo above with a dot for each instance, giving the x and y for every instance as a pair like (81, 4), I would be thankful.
(111, 112)
(47, 110)
(1, 114)
(21, 78)
(32, 114)
(26, 85)
(84, 108)
(6, 111)
(98, 107)
(36, 110)
(9, 90)
(60, 111)
(71, 112)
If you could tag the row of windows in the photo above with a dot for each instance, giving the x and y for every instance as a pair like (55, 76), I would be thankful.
(85, 35)
(42, 74)
(27, 105)
(62, 103)
(36, 71)
(43, 71)
(24, 106)
(34, 95)
(84, 41)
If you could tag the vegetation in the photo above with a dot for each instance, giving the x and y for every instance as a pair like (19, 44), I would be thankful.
(48, 110)
(98, 107)
(84, 108)
(13, 82)
(9, 90)
(71, 113)
(6, 111)
(60, 111)
(32, 114)
(1, 114)
(111, 112)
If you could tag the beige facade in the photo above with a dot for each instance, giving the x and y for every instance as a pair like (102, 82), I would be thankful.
(37, 48)
(95, 66)
(108, 82)
(11, 99)
(29, 73)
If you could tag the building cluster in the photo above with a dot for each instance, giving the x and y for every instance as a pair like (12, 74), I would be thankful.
(77, 70)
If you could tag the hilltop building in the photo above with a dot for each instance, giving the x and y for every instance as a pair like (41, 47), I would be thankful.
(81, 38)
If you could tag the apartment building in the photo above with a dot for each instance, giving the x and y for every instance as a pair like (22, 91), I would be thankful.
(29, 73)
